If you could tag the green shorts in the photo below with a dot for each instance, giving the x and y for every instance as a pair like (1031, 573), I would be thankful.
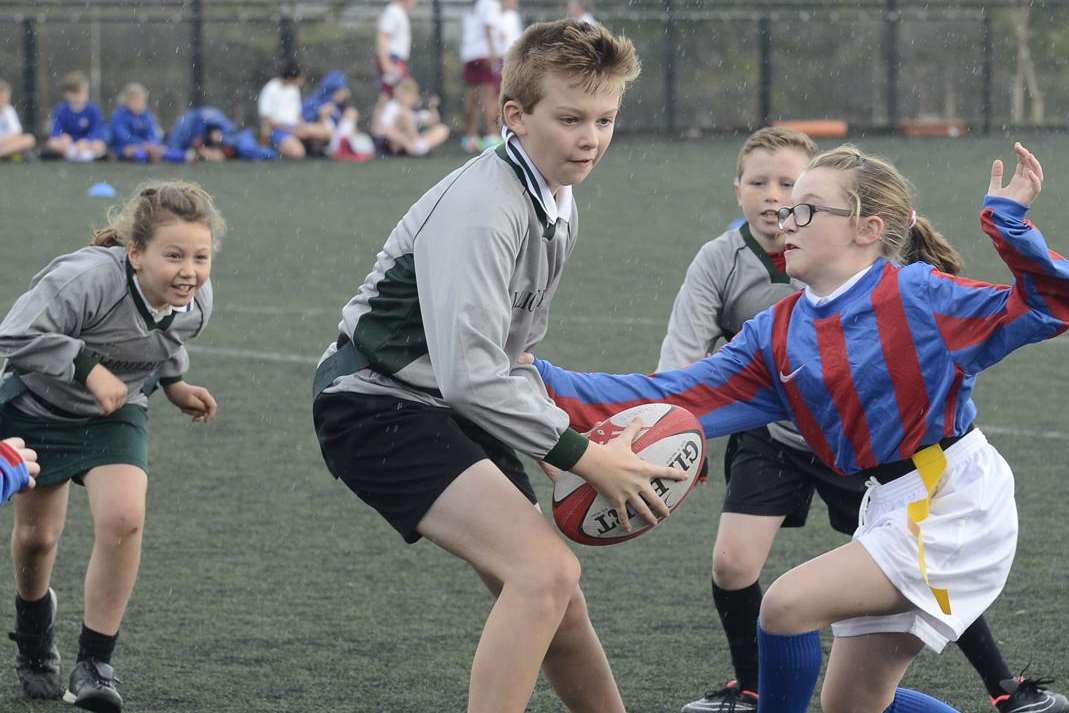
(67, 450)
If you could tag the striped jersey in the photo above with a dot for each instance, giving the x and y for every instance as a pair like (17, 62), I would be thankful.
(869, 377)
(461, 288)
(729, 282)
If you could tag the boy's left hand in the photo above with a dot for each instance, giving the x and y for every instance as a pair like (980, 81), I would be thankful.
(1026, 181)
(192, 400)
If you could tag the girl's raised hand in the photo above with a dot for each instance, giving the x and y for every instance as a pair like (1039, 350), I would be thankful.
(1025, 183)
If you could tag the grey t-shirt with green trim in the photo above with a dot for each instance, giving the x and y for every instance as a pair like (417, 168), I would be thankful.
(729, 282)
(83, 309)
(460, 289)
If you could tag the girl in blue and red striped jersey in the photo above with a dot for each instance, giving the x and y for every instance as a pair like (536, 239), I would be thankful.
(875, 363)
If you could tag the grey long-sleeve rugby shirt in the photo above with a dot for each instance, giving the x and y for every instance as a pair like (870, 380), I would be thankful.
(83, 309)
(461, 288)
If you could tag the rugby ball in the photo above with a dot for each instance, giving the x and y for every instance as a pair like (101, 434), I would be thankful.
(670, 435)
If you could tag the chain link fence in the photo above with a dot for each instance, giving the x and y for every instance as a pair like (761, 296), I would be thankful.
(707, 66)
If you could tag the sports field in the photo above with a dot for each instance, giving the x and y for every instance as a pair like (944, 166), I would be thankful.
(266, 586)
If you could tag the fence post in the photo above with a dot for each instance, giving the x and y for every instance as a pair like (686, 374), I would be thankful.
(669, 69)
(438, 45)
(29, 71)
(892, 58)
(986, 76)
(764, 42)
(287, 39)
(196, 64)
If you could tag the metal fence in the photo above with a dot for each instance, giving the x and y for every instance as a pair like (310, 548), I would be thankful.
(707, 65)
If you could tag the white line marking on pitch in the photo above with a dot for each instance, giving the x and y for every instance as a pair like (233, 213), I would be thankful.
(284, 358)
(336, 312)
(253, 354)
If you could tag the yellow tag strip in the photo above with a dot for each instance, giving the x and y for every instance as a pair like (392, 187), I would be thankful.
(931, 463)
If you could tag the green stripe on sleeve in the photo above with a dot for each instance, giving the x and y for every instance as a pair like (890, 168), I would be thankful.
(83, 364)
(569, 449)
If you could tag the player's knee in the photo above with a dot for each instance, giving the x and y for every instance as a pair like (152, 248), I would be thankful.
(36, 539)
(732, 570)
(552, 582)
(781, 610)
(120, 525)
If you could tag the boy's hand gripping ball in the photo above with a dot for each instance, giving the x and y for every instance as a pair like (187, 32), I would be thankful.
(670, 435)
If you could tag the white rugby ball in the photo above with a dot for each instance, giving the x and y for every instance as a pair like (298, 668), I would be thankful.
(670, 435)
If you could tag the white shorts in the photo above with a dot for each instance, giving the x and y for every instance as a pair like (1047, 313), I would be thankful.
(970, 537)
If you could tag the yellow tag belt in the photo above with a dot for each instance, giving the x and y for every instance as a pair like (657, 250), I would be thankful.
(931, 463)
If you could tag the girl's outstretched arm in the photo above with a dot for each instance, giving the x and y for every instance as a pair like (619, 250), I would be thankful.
(729, 391)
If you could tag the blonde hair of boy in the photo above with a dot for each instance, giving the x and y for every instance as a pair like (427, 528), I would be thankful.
(774, 138)
(159, 203)
(875, 187)
(590, 55)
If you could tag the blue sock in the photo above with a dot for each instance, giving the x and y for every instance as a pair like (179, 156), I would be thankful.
(787, 672)
(910, 701)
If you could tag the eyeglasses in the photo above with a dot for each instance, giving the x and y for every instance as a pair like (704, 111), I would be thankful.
(803, 213)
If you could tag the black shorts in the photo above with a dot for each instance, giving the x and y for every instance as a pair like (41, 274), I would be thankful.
(398, 455)
(766, 477)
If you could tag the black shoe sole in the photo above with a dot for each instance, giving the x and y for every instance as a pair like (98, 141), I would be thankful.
(40, 690)
(96, 704)
(43, 695)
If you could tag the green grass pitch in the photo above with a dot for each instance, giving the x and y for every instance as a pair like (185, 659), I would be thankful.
(266, 586)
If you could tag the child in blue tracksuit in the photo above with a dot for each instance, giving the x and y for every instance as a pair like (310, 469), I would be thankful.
(875, 363)
(206, 133)
(329, 99)
(79, 130)
(329, 107)
(135, 133)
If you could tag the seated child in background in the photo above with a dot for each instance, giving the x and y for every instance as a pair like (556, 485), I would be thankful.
(401, 130)
(13, 141)
(281, 123)
(135, 133)
(329, 107)
(206, 133)
(79, 131)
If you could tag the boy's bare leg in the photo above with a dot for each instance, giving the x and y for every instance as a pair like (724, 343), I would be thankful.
(576, 645)
(510, 543)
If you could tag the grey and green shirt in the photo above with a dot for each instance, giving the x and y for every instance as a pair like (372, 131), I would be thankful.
(729, 282)
(460, 289)
(85, 309)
